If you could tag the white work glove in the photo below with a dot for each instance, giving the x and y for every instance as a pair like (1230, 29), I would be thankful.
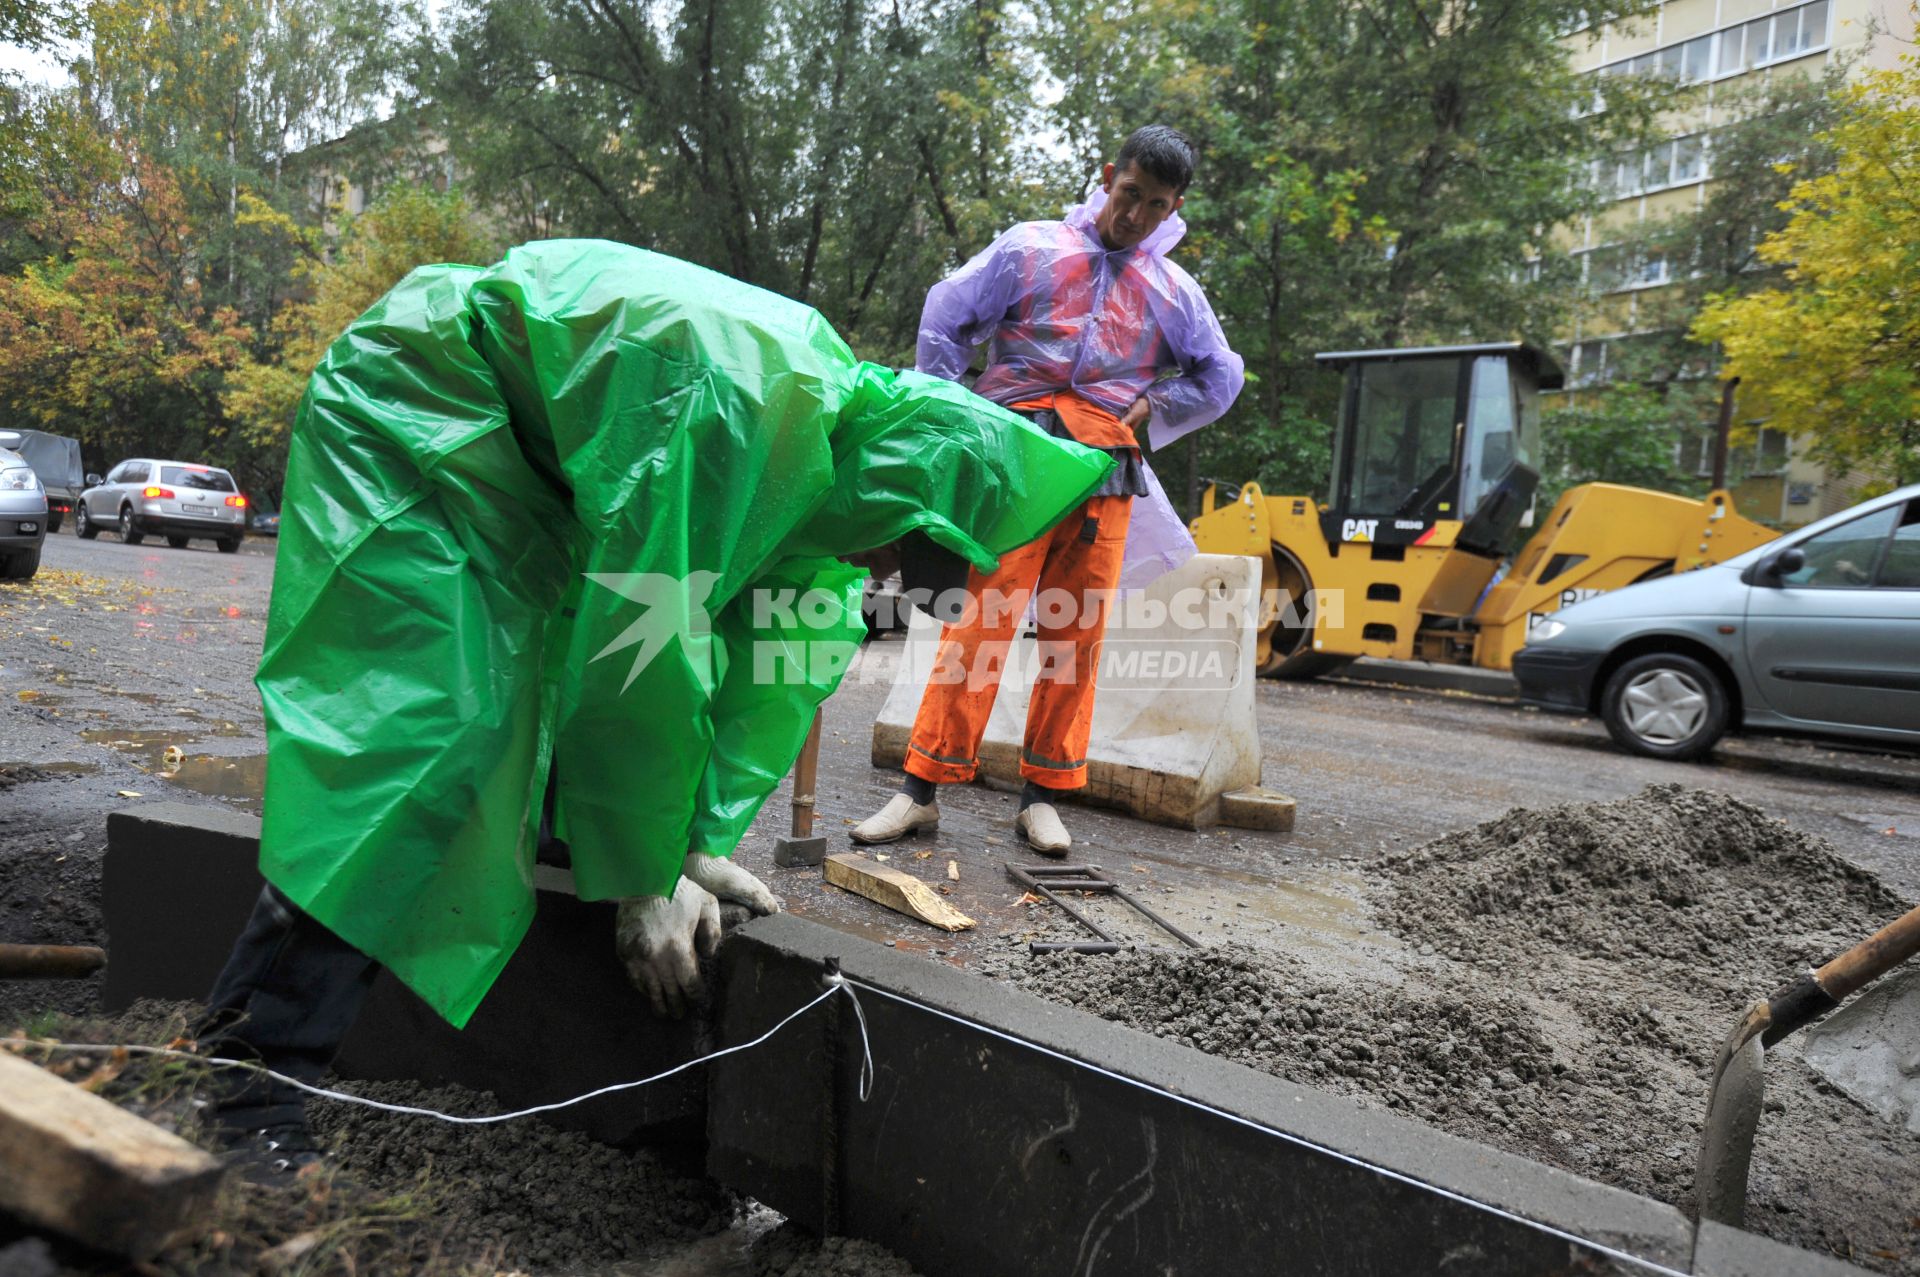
(661, 939)
(730, 882)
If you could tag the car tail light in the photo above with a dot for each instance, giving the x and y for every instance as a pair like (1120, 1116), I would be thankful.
(238, 503)
(165, 493)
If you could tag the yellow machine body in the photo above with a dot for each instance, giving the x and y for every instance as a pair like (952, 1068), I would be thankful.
(1431, 601)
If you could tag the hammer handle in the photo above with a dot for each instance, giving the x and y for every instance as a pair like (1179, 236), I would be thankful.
(50, 961)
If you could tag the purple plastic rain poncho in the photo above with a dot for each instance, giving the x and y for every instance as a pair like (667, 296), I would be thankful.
(1064, 313)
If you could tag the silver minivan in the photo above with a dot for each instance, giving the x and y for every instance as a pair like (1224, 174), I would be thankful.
(175, 499)
(1818, 631)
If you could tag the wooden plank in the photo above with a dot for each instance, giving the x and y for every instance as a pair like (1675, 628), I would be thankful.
(78, 1165)
(901, 892)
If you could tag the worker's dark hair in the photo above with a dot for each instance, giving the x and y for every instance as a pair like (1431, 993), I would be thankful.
(1163, 153)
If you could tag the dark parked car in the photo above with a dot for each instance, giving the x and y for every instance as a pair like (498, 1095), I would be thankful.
(56, 459)
(1818, 631)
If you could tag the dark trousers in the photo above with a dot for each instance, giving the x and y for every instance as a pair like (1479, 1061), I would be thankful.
(289, 993)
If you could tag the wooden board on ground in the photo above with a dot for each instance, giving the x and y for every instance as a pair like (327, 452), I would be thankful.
(901, 892)
(72, 1163)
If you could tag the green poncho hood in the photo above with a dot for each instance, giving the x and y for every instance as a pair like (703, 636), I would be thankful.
(578, 510)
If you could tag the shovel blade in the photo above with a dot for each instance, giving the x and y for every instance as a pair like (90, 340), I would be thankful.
(1726, 1141)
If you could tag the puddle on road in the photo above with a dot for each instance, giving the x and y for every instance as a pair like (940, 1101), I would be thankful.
(242, 779)
(145, 698)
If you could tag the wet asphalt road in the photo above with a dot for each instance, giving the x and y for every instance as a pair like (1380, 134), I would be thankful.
(118, 652)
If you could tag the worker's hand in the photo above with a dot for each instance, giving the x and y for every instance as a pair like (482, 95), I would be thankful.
(1136, 417)
(661, 939)
(729, 882)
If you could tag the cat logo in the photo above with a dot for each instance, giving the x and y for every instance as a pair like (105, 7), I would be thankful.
(1358, 529)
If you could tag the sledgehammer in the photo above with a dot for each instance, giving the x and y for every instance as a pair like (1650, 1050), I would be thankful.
(50, 961)
(1734, 1102)
(803, 846)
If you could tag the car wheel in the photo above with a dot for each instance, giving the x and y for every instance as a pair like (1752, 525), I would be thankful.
(229, 545)
(21, 567)
(128, 533)
(178, 543)
(1665, 705)
(53, 523)
(83, 527)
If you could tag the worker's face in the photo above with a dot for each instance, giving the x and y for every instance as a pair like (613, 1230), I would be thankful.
(1137, 203)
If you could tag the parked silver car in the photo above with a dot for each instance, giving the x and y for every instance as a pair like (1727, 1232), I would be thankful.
(1818, 631)
(23, 512)
(174, 499)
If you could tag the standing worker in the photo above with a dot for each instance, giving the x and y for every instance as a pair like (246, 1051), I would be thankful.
(1093, 334)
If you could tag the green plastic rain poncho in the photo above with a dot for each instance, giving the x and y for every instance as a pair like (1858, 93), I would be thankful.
(579, 510)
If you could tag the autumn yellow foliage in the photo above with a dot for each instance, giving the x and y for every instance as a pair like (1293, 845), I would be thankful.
(1834, 352)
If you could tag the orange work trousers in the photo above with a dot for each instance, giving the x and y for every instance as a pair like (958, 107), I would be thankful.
(1077, 568)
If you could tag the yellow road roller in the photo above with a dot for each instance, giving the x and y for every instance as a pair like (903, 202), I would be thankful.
(1417, 553)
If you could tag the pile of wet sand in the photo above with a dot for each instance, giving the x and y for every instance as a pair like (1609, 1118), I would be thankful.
(1684, 884)
(1570, 973)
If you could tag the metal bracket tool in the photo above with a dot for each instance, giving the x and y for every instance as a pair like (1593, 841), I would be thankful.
(1044, 880)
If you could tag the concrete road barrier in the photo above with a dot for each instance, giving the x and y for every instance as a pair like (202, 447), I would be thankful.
(1173, 725)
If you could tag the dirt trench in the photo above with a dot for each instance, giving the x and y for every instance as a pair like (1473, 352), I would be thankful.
(1570, 972)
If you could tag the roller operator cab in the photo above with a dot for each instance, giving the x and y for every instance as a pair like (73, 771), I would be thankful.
(1446, 435)
(1436, 461)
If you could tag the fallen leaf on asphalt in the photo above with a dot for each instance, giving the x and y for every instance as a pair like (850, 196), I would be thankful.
(1031, 899)
(129, 793)
(953, 871)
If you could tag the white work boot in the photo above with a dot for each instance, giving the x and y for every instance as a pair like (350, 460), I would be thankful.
(900, 817)
(1045, 834)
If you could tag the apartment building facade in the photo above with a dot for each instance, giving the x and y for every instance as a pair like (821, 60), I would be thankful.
(1725, 47)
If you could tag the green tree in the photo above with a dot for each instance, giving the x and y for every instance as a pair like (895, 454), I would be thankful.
(846, 171)
(1833, 349)
(1374, 174)
(1627, 435)
(36, 24)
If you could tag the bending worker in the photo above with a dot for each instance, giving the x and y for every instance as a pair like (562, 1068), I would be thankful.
(1093, 334)
(563, 536)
